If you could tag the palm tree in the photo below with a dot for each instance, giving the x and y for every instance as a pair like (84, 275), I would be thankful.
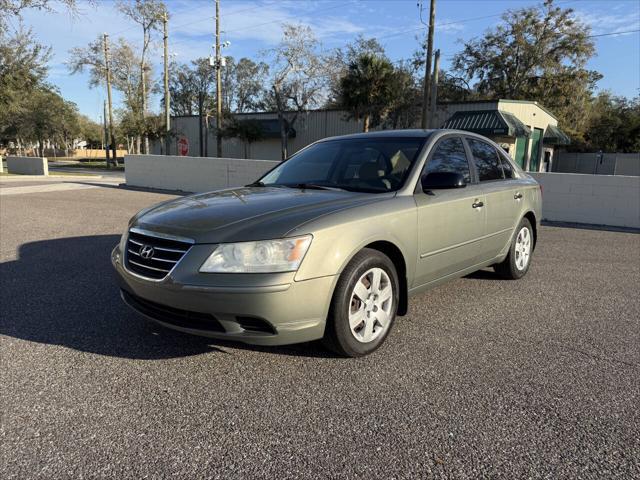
(366, 88)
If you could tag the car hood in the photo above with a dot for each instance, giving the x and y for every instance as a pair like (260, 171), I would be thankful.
(248, 213)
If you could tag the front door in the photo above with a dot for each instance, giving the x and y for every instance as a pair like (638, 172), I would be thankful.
(536, 144)
(451, 222)
(521, 149)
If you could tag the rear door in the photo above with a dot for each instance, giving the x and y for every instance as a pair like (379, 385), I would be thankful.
(451, 222)
(501, 190)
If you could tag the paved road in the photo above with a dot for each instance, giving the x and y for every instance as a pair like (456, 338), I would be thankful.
(538, 378)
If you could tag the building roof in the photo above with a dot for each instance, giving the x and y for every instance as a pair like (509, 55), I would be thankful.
(503, 100)
(488, 122)
(554, 136)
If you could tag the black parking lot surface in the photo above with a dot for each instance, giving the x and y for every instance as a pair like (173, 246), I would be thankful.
(537, 378)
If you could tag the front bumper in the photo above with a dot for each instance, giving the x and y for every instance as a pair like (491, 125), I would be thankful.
(295, 311)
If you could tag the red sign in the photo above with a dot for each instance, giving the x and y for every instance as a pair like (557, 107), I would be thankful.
(183, 146)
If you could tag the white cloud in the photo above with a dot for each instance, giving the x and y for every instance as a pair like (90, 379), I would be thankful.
(609, 22)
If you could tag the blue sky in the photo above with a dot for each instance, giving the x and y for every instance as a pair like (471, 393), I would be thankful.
(255, 25)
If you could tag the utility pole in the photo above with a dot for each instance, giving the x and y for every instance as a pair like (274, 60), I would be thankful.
(434, 90)
(167, 99)
(427, 70)
(218, 85)
(111, 132)
(105, 133)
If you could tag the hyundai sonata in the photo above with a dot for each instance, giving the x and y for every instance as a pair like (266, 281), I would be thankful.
(331, 243)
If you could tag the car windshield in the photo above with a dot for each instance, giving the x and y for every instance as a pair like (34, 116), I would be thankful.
(376, 164)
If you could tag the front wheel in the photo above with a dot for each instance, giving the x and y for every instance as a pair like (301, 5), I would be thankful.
(364, 305)
(516, 265)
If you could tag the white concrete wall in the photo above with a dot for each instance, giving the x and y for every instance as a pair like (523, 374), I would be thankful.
(192, 174)
(596, 199)
(28, 165)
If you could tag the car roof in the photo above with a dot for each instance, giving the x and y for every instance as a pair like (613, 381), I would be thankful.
(404, 133)
(416, 132)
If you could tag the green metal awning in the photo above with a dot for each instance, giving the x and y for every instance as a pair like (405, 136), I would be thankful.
(488, 122)
(554, 136)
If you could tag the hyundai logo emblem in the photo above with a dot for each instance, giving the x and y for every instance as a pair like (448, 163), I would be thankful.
(147, 251)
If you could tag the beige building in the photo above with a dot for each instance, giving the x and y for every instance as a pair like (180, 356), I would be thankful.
(528, 131)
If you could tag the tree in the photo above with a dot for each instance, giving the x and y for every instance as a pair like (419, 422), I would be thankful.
(203, 79)
(243, 85)
(90, 131)
(125, 76)
(149, 15)
(534, 54)
(452, 86)
(181, 89)
(47, 116)
(367, 89)
(298, 77)
(248, 131)
(14, 8)
(23, 69)
(344, 57)
(613, 124)
(404, 99)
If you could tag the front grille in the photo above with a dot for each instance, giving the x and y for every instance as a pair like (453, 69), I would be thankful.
(173, 316)
(165, 253)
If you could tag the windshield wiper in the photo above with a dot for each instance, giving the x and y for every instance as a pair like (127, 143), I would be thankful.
(314, 186)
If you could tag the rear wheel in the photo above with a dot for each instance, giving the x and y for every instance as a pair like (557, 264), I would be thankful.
(516, 265)
(364, 305)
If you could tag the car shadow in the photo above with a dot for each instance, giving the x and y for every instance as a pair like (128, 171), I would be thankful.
(63, 292)
(485, 274)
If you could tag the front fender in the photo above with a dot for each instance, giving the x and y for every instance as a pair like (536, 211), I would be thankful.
(338, 237)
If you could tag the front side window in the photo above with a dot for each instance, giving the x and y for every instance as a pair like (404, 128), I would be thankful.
(358, 164)
(449, 156)
(486, 160)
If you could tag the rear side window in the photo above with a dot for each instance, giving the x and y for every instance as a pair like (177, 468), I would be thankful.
(506, 167)
(485, 158)
(449, 156)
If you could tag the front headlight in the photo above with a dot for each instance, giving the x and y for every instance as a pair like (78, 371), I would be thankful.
(284, 255)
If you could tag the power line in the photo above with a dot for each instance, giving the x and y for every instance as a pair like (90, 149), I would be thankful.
(250, 27)
(457, 22)
(186, 24)
(613, 33)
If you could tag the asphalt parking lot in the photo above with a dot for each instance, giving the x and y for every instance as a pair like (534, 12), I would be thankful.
(538, 378)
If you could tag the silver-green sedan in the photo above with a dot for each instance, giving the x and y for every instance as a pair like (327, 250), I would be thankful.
(331, 243)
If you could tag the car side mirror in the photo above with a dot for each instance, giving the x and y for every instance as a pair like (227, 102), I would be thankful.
(442, 180)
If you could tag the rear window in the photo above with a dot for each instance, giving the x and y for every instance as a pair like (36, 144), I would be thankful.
(486, 160)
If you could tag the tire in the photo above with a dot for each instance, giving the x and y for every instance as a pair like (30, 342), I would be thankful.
(518, 261)
(357, 326)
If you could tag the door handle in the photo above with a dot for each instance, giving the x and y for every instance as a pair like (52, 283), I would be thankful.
(477, 204)
(517, 196)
